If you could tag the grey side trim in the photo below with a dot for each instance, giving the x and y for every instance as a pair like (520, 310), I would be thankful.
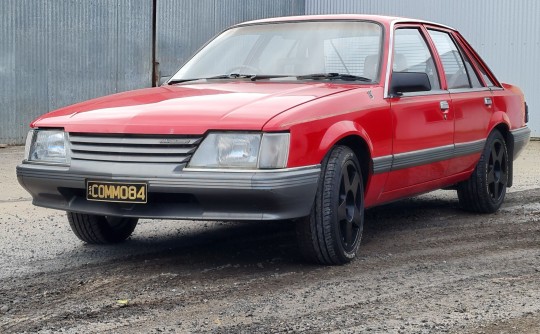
(382, 164)
(462, 149)
(422, 157)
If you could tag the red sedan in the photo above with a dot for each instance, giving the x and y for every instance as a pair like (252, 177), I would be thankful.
(310, 119)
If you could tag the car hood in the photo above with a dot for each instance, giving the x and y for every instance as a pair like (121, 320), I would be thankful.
(189, 108)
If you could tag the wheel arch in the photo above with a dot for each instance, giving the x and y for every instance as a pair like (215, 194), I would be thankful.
(504, 129)
(360, 148)
(352, 135)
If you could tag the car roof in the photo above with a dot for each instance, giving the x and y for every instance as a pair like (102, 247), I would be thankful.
(387, 20)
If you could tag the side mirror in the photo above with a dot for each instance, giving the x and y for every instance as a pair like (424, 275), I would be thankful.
(405, 82)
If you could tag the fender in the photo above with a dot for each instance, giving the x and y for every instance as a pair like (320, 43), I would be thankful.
(343, 129)
(497, 118)
(374, 183)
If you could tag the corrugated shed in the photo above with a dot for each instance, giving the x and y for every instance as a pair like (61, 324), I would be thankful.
(7, 72)
(55, 53)
(23, 60)
(504, 33)
(184, 26)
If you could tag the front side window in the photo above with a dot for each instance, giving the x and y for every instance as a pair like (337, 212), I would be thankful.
(457, 69)
(291, 49)
(411, 54)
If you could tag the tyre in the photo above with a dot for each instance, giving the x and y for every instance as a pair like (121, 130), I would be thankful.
(95, 229)
(331, 234)
(485, 190)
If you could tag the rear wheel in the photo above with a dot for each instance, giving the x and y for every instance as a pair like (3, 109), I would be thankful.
(332, 232)
(95, 229)
(485, 190)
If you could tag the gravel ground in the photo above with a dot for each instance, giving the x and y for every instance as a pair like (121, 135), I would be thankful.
(424, 267)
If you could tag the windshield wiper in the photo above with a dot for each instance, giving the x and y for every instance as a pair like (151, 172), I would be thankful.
(252, 77)
(269, 76)
(217, 77)
(333, 76)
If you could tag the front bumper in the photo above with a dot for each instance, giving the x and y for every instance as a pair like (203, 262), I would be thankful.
(175, 192)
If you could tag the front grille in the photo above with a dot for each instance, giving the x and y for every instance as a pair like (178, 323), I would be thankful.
(133, 148)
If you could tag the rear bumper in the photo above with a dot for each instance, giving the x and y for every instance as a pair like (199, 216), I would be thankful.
(175, 192)
(520, 138)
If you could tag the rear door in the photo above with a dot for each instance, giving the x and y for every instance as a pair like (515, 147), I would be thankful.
(472, 100)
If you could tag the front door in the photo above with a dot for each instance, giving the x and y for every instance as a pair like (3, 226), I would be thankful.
(423, 121)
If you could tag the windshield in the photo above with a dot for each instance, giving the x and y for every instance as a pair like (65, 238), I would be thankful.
(292, 49)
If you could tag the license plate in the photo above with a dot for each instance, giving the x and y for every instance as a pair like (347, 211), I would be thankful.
(120, 192)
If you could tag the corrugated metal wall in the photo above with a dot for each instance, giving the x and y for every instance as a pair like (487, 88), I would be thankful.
(505, 33)
(55, 53)
(184, 26)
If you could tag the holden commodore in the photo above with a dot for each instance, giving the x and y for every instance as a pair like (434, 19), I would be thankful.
(308, 119)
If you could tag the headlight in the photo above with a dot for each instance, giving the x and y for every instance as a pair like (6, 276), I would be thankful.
(274, 150)
(242, 150)
(47, 146)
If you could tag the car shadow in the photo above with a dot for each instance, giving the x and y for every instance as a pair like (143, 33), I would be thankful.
(260, 245)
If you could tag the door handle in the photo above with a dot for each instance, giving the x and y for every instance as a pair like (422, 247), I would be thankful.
(444, 105)
(488, 101)
(444, 108)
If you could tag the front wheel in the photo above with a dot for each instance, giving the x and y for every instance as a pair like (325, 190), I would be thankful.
(95, 229)
(485, 190)
(332, 233)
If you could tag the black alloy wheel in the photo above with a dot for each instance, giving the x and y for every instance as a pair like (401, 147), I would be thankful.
(350, 211)
(331, 234)
(485, 189)
(497, 170)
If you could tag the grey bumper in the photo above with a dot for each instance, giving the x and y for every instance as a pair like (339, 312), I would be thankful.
(175, 192)
(520, 138)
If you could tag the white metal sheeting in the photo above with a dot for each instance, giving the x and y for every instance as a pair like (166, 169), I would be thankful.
(55, 53)
(504, 33)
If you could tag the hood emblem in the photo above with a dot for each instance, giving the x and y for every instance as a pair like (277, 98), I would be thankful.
(175, 141)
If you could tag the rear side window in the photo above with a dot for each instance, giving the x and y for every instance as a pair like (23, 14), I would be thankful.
(457, 67)
(486, 78)
(411, 54)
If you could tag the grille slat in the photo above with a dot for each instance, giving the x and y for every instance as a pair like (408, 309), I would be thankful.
(132, 148)
(131, 140)
(130, 158)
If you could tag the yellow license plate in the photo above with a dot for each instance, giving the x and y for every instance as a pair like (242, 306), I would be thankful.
(121, 192)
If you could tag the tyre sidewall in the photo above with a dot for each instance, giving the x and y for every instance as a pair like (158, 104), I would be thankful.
(494, 136)
(344, 156)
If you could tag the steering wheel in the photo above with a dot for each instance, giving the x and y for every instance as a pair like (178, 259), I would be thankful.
(239, 68)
